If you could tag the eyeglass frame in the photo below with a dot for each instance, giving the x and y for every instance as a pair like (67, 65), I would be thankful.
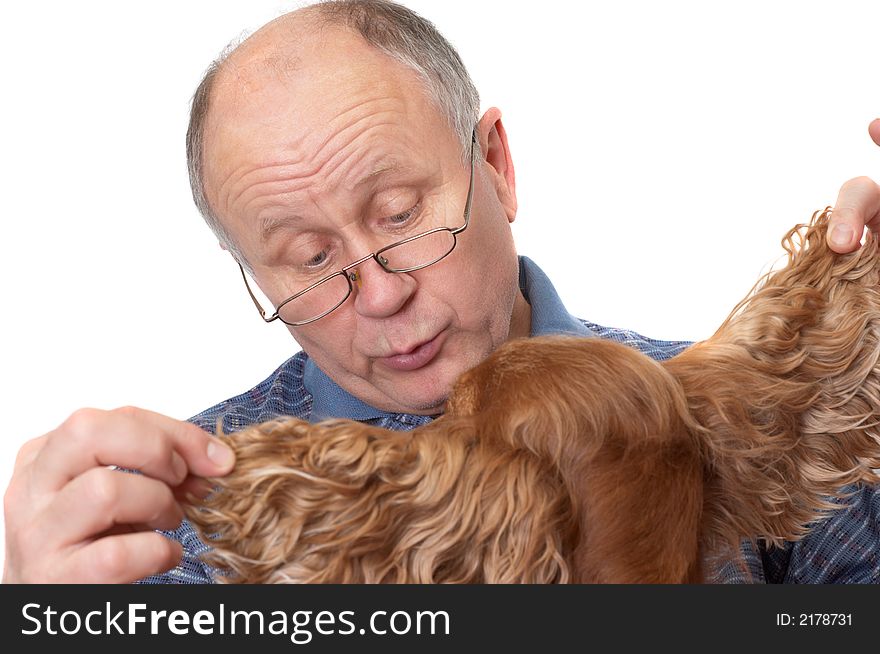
(353, 277)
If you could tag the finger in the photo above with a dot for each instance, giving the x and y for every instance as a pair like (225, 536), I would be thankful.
(121, 559)
(874, 130)
(204, 454)
(16, 492)
(156, 445)
(121, 529)
(858, 205)
(193, 488)
(102, 498)
(28, 452)
(127, 529)
(17, 502)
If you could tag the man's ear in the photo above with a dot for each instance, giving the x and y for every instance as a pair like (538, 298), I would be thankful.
(496, 152)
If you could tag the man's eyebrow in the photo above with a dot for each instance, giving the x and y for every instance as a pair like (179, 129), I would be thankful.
(383, 167)
(272, 224)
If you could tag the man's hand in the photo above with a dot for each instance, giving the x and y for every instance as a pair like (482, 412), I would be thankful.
(72, 519)
(858, 206)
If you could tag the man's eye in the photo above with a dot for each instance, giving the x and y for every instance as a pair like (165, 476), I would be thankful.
(406, 216)
(317, 259)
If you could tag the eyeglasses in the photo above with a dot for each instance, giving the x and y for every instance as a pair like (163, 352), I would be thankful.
(329, 293)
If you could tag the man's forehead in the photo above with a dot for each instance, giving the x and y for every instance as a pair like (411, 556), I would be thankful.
(382, 174)
(310, 86)
(268, 122)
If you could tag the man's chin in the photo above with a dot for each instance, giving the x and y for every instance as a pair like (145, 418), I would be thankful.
(420, 403)
(425, 391)
(420, 394)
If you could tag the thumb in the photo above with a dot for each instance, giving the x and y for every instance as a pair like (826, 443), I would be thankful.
(874, 130)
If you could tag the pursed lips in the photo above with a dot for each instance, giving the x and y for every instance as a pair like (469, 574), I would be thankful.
(414, 357)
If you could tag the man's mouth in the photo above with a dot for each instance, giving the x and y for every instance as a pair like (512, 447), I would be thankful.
(419, 356)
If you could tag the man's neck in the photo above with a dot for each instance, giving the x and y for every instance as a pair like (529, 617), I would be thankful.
(521, 318)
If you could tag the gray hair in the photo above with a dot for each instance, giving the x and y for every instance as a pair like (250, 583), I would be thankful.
(389, 27)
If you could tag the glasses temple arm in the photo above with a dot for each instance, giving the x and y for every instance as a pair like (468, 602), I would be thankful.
(470, 195)
(254, 298)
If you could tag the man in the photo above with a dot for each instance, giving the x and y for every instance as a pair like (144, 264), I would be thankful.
(331, 134)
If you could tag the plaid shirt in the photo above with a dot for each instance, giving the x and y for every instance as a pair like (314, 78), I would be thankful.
(840, 549)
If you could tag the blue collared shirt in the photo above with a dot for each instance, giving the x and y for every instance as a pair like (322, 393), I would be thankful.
(844, 548)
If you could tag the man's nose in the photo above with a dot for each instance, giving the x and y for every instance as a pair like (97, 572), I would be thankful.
(378, 293)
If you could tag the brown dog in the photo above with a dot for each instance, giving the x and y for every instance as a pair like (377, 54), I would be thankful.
(569, 459)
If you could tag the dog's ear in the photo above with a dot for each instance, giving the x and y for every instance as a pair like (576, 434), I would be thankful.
(787, 393)
(240, 518)
(341, 502)
(292, 484)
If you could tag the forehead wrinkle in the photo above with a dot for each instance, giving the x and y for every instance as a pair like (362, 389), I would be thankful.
(343, 151)
(278, 173)
(337, 158)
(344, 169)
(227, 190)
(355, 124)
(385, 167)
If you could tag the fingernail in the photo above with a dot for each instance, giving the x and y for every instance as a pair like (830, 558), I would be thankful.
(841, 235)
(220, 454)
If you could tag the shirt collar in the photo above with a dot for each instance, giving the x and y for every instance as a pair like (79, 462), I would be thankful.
(549, 316)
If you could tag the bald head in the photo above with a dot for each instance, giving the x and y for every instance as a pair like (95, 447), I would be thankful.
(274, 52)
(297, 49)
(286, 81)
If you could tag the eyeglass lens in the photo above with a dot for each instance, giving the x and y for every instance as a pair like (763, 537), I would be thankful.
(409, 255)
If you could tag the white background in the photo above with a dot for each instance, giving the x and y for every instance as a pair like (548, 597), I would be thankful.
(661, 148)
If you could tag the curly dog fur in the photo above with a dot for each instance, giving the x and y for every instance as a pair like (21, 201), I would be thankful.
(582, 460)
